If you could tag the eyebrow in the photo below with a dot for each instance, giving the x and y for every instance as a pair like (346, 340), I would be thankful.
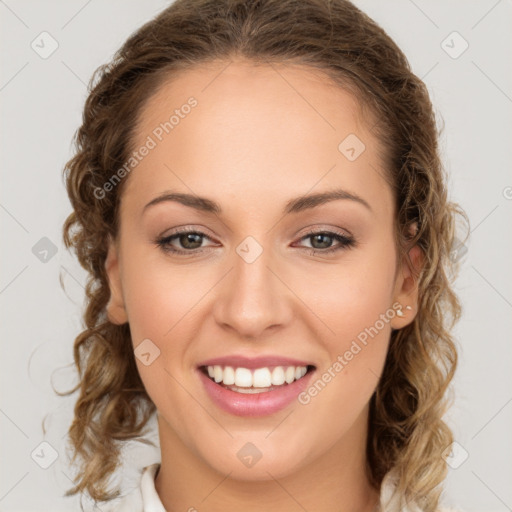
(296, 205)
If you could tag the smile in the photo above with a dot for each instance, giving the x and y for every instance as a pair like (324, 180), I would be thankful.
(254, 391)
(258, 380)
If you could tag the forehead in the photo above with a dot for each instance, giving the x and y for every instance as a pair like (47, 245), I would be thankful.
(240, 88)
(255, 129)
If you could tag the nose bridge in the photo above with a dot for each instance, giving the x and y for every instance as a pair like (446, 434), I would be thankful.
(252, 298)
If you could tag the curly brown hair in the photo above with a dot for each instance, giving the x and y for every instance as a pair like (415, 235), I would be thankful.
(406, 429)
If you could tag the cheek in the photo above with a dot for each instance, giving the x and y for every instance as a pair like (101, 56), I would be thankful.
(353, 295)
(159, 301)
(163, 301)
(355, 302)
(156, 294)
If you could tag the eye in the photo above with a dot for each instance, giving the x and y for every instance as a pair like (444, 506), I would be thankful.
(191, 242)
(321, 241)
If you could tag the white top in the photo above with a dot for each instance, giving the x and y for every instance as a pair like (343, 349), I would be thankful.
(146, 499)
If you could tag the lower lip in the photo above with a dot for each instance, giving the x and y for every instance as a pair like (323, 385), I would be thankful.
(254, 404)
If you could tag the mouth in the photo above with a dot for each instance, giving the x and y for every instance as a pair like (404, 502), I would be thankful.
(254, 391)
(256, 380)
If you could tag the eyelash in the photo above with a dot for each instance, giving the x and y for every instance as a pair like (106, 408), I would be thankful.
(345, 242)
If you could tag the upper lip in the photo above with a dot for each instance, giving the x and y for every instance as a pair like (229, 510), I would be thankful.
(239, 361)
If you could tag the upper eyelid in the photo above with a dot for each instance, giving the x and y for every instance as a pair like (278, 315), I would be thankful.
(204, 231)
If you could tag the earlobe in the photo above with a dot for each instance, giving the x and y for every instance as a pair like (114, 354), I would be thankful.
(116, 311)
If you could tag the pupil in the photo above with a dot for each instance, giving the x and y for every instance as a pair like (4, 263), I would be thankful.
(184, 240)
(322, 236)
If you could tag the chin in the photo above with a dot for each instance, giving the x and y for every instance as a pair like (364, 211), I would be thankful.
(249, 461)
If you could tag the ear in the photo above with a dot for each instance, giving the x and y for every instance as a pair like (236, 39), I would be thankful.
(116, 311)
(406, 288)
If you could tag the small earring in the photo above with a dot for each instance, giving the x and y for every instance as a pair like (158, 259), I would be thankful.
(400, 313)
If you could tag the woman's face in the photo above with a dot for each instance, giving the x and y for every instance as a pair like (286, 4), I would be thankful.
(247, 292)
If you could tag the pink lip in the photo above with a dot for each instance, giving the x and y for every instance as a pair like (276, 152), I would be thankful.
(253, 362)
(258, 404)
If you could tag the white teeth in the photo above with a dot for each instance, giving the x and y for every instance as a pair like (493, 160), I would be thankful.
(218, 373)
(260, 378)
(278, 376)
(289, 374)
(243, 378)
(229, 375)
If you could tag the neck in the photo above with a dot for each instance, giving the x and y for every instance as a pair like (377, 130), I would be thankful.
(334, 482)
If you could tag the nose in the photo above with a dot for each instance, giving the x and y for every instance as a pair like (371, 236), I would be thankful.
(253, 298)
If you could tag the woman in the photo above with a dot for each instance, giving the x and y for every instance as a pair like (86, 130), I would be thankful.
(259, 200)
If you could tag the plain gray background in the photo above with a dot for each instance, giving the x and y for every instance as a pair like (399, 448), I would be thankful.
(41, 102)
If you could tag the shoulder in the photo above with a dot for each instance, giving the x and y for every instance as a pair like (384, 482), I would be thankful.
(142, 498)
(390, 501)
